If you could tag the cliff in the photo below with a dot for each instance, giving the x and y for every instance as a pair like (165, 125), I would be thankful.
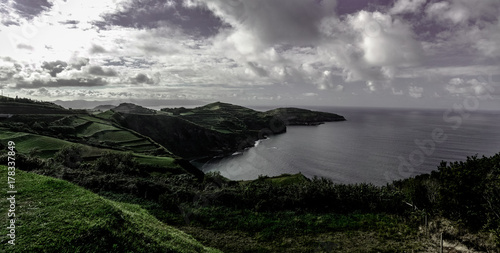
(217, 128)
(297, 116)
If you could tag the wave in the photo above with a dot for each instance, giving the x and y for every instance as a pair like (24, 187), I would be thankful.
(259, 141)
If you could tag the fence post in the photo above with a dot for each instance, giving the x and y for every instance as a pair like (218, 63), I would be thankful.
(441, 243)
(426, 226)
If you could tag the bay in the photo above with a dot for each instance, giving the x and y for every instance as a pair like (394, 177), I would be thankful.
(372, 146)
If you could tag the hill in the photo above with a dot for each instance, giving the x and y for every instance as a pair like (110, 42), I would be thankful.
(104, 107)
(133, 108)
(297, 116)
(77, 128)
(28, 106)
(53, 215)
(220, 128)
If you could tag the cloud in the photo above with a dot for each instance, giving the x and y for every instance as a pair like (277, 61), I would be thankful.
(472, 87)
(70, 24)
(148, 14)
(25, 46)
(54, 67)
(310, 94)
(386, 41)
(407, 6)
(260, 23)
(6, 73)
(96, 49)
(462, 11)
(78, 62)
(8, 68)
(400, 92)
(239, 49)
(370, 46)
(142, 79)
(486, 40)
(76, 82)
(257, 70)
(415, 91)
(31, 8)
(99, 71)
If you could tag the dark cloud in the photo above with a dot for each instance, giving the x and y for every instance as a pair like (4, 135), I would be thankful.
(99, 71)
(6, 73)
(69, 22)
(31, 8)
(96, 49)
(78, 63)
(77, 82)
(54, 67)
(154, 13)
(150, 48)
(7, 59)
(9, 22)
(294, 22)
(353, 6)
(72, 24)
(142, 78)
(24, 46)
(257, 70)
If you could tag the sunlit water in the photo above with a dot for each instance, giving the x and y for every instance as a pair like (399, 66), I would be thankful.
(373, 145)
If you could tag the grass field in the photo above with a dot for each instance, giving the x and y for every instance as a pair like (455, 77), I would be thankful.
(6, 134)
(26, 142)
(53, 215)
(93, 128)
(156, 160)
(102, 131)
(46, 147)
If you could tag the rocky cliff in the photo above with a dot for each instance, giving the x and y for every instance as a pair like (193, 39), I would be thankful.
(217, 128)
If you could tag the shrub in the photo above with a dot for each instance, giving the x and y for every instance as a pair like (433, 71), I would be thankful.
(117, 163)
(469, 190)
(69, 156)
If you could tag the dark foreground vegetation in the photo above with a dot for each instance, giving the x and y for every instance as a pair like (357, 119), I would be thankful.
(294, 214)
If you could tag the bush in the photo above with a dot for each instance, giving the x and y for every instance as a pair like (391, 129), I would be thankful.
(463, 195)
(117, 163)
(70, 156)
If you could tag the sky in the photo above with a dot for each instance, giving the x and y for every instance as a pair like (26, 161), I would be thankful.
(380, 53)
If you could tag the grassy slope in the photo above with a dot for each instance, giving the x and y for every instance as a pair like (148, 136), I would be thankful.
(102, 130)
(56, 216)
(47, 146)
(25, 142)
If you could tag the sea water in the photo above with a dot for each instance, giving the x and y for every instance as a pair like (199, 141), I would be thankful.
(372, 146)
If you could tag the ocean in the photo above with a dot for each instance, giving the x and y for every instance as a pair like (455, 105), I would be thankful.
(373, 146)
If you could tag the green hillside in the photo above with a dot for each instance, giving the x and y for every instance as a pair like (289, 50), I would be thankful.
(67, 129)
(43, 146)
(53, 215)
(28, 106)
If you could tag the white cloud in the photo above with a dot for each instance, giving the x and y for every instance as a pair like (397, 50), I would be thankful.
(386, 41)
(456, 81)
(472, 87)
(310, 94)
(370, 86)
(462, 11)
(415, 91)
(400, 92)
(486, 40)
